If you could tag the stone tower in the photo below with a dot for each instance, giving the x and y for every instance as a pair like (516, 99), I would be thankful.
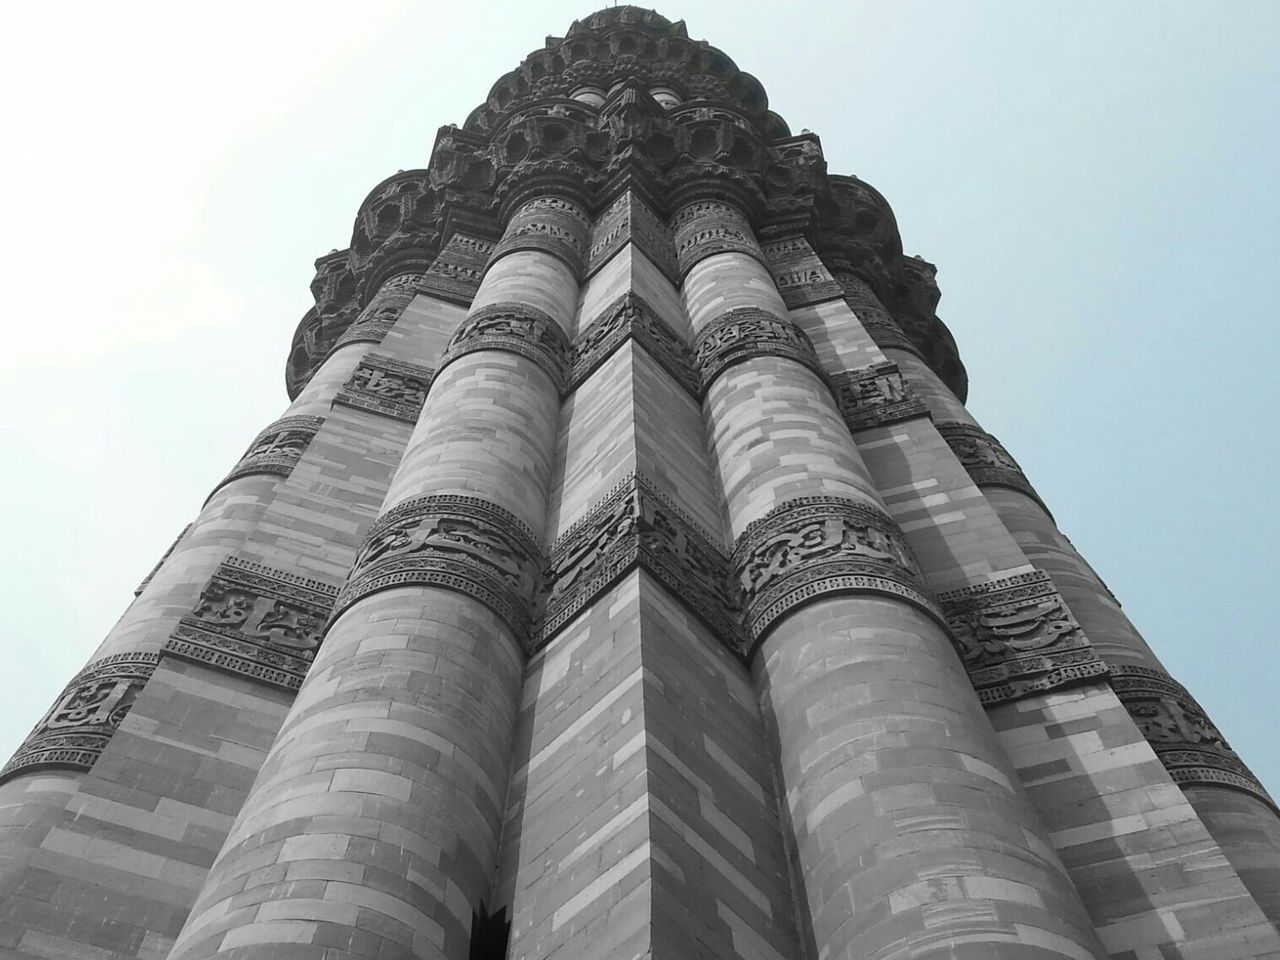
(627, 578)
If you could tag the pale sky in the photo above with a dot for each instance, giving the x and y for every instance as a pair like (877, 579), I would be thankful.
(1097, 183)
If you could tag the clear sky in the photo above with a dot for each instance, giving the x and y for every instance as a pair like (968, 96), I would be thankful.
(1097, 183)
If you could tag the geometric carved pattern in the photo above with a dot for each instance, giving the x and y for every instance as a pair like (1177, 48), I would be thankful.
(630, 220)
(799, 273)
(76, 729)
(1016, 637)
(814, 546)
(875, 396)
(255, 621)
(709, 227)
(514, 328)
(277, 449)
(630, 317)
(387, 386)
(459, 543)
(1188, 744)
(745, 333)
(988, 463)
(455, 274)
(551, 225)
(635, 524)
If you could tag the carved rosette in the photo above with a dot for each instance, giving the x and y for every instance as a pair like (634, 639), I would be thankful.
(456, 273)
(630, 220)
(799, 273)
(875, 396)
(457, 543)
(745, 333)
(514, 328)
(389, 387)
(988, 463)
(635, 524)
(1191, 748)
(708, 227)
(255, 621)
(276, 449)
(383, 310)
(630, 317)
(813, 547)
(78, 727)
(875, 319)
(1016, 637)
(552, 225)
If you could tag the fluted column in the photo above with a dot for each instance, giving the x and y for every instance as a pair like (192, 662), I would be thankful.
(881, 742)
(372, 829)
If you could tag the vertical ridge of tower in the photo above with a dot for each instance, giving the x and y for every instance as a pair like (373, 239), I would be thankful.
(626, 578)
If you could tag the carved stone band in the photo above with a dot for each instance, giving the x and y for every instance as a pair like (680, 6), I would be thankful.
(255, 621)
(866, 306)
(875, 396)
(799, 274)
(812, 547)
(276, 449)
(708, 227)
(389, 387)
(514, 328)
(383, 310)
(745, 333)
(630, 317)
(1016, 637)
(457, 543)
(551, 225)
(78, 727)
(456, 273)
(635, 525)
(1191, 748)
(988, 463)
(630, 220)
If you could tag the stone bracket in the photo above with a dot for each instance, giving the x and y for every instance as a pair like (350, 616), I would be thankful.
(1016, 638)
(255, 621)
(875, 396)
(277, 449)
(630, 317)
(389, 387)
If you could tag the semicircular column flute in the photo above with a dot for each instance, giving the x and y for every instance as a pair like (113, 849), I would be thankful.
(883, 747)
(372, 830)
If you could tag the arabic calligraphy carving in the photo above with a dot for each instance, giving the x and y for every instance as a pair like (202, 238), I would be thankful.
(630, 220)
(277, 449)
(799, 273)
(708, 227)
(387, 386)
(630, 316)
(515, 328)
(552, 225)
(875, 396)
(1016, 637)
(745, 333)
(985, 458)
(455, 274)
(382, 311)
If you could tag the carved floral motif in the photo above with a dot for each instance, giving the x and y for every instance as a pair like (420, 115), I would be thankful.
(813, 546)
(255, 621)
(744, 333)
(277, 449)
(1016, 637)
(515, 328)
(874, 396)
(387, 386)
(985, 458)
(630, 316)
(1191, 748)
(79, 725)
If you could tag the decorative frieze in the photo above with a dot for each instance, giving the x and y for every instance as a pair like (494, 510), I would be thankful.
(78, 727)
(708, 227)
(875, 319)
(458, 543)
(875, 396)
(389, 387)
(516, 328)
(552, 225)
(383, 310)
(255, 621)
(456, 272)
(744, 333)
(1016, 637)
(160, 563)
(630, 220)
(811, 547)
(635, 524)
(988, 463)
(799, 273)
(630, 317)
(277, 449)
(1191, 748)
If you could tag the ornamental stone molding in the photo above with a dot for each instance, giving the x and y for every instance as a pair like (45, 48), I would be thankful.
(453, 542)
(988, 463)
(635, 524)
(551, 225)
(1016, 638)
(456, 273)
(1191, 748)
(630, 317)
(514, 328)
(875, 396)
(256, 622)
(708, 227)
(375, 321)
(630, 220)
(799, 273)
(875, 319)
(277, 449)
(744, 333)
(78, 727)
(389, 387)
(814, 547)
